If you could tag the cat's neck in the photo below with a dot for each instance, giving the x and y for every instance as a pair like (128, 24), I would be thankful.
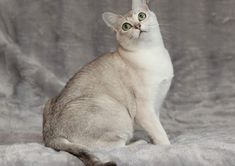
(155, 39)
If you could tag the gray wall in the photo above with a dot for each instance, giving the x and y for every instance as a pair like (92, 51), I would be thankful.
(44, 42)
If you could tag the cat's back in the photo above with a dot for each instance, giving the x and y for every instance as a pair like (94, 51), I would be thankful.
(100, 75)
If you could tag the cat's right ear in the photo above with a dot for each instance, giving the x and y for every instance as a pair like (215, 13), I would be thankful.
(112, 20)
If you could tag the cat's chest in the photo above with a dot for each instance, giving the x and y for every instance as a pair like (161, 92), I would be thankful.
(153, 64)
(153, 68)
(152, 60)
(147, 86)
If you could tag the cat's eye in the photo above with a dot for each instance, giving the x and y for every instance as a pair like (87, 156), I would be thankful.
(126, 26)
(142, 16)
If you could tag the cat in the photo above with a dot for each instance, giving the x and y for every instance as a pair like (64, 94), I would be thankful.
(100, 105)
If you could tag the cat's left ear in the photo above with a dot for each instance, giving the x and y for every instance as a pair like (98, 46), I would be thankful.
(136, 4)
(112, 20)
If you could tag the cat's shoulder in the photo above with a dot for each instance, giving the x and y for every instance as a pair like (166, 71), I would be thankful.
(102, 62)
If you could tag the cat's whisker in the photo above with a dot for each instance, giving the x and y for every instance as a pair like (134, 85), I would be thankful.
(164, 25)
(166, 34)
(170, 26)
(153, 25)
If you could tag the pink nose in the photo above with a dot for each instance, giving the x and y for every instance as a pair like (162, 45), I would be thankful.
(137, 26)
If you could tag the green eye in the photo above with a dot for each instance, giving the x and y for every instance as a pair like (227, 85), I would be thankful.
(126, 26)
(142, 16)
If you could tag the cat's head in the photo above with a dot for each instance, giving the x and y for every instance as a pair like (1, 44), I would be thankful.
(134, 28)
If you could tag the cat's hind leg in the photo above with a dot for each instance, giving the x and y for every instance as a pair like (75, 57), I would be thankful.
(62, 144)
(136, 143)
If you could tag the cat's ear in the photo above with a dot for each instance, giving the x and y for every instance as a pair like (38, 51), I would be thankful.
(139, 3)
(112, 20)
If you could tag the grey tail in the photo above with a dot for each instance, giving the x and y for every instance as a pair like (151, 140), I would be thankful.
(84, 155)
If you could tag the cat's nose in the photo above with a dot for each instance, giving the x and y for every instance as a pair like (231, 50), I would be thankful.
(137, 26)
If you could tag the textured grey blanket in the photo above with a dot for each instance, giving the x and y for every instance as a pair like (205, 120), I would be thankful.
(203, 148)
(43, 43)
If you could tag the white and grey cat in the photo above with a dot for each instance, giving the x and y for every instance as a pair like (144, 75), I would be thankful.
(100, 105)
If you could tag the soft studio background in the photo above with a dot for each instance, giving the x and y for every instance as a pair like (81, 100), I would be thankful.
(44, 42)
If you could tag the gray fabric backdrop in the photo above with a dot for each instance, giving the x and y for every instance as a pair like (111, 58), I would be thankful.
(44, 42)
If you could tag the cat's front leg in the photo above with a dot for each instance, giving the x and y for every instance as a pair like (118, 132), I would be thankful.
(150, 122)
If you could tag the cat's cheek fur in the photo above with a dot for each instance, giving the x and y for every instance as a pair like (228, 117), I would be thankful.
(135, 34)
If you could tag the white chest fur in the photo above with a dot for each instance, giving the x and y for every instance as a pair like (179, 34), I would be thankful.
(151, 68)
(154, 62)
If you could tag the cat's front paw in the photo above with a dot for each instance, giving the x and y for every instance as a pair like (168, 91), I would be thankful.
(161, 141)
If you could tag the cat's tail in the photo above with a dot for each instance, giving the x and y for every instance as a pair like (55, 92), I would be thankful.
(62, 144)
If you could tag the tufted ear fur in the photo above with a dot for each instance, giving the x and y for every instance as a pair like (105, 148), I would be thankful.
(112, 20)
(139, 3)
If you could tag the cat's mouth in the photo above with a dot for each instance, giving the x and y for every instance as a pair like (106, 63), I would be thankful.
(141, 32)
